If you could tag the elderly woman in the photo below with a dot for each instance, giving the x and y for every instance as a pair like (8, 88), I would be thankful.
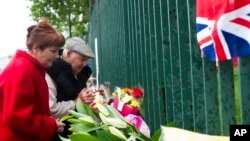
(24, 107)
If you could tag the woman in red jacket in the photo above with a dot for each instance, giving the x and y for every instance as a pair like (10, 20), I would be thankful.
(24, 107)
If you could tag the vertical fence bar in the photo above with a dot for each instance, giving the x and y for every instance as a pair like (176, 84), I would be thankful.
(147, 103)
(155, 40)
(191, 41)
(226, 96)
(133, 42)
(140, 46)
(210, 95)
(143, 67)
(174, 36)
(167, 45)
(149, 62)
(125, 39)
(120, 43)
(244, 78)
(102, 47)
(184, 49)
(160, 84)
(130, 44)
(136, 43)
(113, 28)
(133, 53)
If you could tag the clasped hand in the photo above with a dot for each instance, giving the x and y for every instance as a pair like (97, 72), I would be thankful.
(87, 96)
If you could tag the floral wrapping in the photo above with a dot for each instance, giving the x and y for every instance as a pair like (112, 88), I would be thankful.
(123, 108)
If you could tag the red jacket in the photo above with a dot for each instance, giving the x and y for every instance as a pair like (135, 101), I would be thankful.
(24, 107)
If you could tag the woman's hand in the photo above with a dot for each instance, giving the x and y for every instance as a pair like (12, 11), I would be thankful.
(60, 126)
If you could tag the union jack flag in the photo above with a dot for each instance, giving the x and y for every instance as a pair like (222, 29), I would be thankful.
(223, 28)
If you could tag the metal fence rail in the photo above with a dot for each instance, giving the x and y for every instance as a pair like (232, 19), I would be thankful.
(152, 43)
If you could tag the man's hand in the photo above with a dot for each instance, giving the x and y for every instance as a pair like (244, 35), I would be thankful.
(87, 96)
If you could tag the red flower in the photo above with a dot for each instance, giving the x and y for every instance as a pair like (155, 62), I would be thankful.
(137, 93)
(101, 91)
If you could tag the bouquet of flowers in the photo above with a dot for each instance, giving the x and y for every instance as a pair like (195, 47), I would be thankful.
(128, 101)
(100, 121)
(103, 124)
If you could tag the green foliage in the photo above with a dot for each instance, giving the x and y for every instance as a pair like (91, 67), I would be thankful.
(69, 16)
(107, 136)
(79, 127)
(80, 136)
(84, 109)
(156, 135)
(101, 129)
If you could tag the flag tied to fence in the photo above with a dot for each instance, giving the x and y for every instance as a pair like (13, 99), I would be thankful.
(223, 28)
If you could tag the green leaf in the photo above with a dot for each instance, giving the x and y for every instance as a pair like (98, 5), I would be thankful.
(83, 128)
(79, 106)
(66, 118)
(78, 114)
(74, 120)
(81, 137)
(88, 110)
(156, 135)
(140, 136)
(114, 113)
(64, 139)
(106, 136)
(83, 108)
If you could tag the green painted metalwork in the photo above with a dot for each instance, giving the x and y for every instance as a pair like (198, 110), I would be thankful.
(166, 44)
(176, 66)
(226, 96)
(160, 79)
(150, 71)
(145, 42)
(244, 69)
(154, 65)
(210, 99)
(152, 44)
(184, 43)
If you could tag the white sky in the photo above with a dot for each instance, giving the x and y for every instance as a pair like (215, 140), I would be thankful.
(14, 20)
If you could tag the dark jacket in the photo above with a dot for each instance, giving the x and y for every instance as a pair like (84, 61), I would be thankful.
(68, 87)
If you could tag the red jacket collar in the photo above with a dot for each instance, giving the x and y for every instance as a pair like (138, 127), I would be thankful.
(32, 59)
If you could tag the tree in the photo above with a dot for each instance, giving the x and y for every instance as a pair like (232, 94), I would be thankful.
(70, 16)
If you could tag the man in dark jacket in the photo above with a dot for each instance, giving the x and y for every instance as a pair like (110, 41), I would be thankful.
(68, 76)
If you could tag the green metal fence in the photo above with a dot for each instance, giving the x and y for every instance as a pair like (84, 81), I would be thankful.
(152, 43)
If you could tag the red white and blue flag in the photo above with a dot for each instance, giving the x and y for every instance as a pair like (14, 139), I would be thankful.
(223, 28)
